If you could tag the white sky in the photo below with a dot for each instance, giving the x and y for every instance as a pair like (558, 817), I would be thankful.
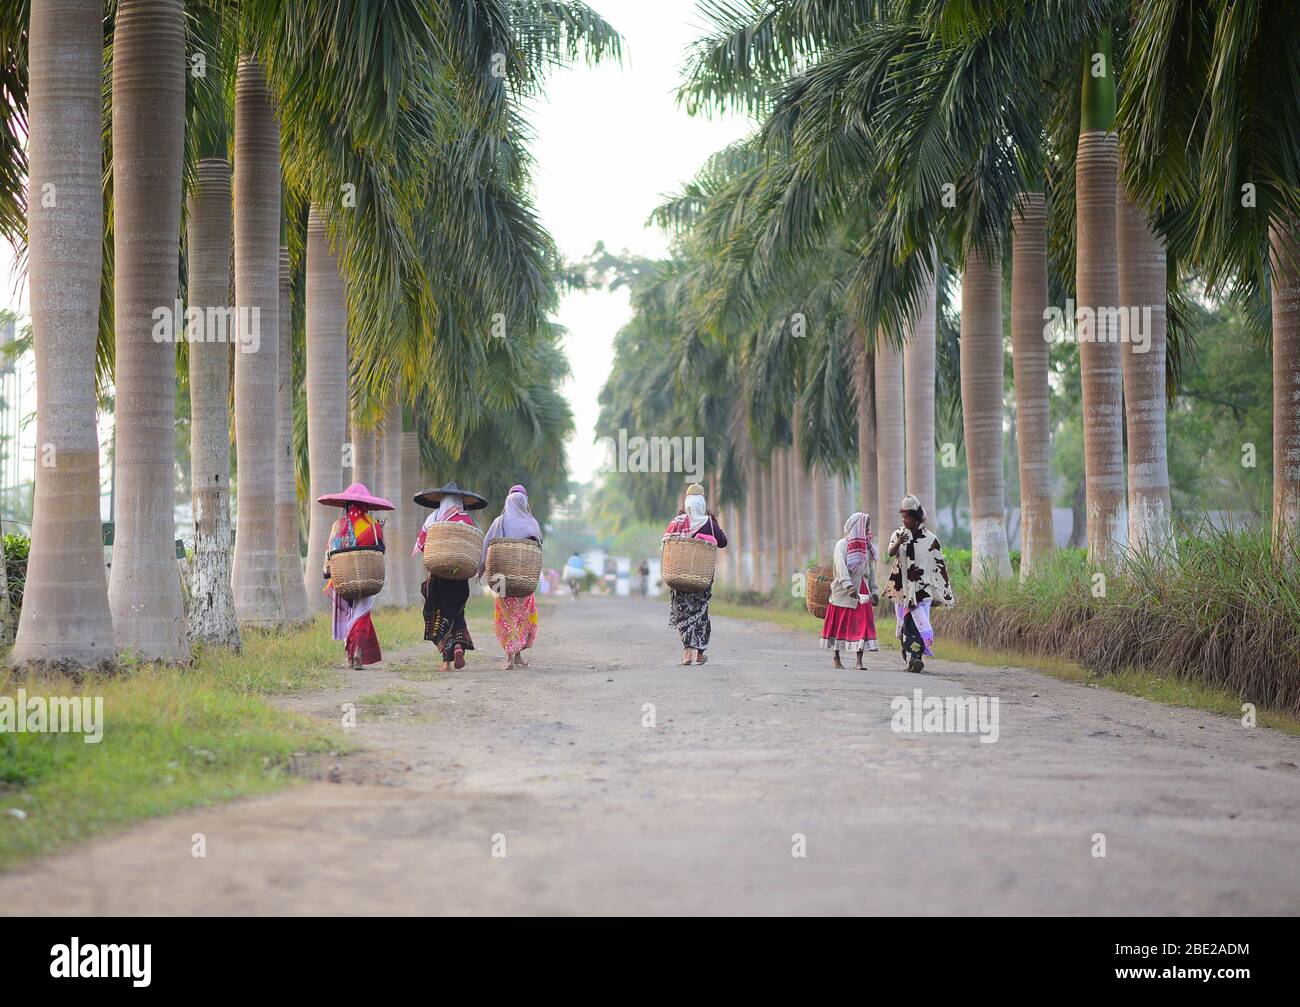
(610, 142)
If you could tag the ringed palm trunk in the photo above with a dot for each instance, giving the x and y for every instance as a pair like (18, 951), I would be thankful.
(918, 382)
(1029, 358)
(868, 487)
(1142, 280)
(258, 601)
(981, 403)
(1097, 290)
(365, 450)
(327, 395)
(1284, 261)
(293, 595)
(144, 590)
(762, 556)
(65, 615)
(412, 519)
(781, 530)
(394, 531)
(891, 484)
(211, 619)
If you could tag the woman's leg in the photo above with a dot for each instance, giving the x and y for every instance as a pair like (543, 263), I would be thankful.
(835, 658)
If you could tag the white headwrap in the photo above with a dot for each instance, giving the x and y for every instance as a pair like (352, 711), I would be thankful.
(697, 511)
(447, 506)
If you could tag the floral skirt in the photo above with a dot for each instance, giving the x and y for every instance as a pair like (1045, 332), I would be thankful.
(850, 629)
(515, 620)
(688, 613)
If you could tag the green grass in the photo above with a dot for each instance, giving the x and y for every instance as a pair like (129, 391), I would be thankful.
(176, 737)
(397, 696)
(1149, 684)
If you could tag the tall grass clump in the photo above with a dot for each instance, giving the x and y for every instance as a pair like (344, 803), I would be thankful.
(1221, 609)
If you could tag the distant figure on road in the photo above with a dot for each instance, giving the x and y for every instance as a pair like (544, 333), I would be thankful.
(688, 612)
(850, 622)
(644, 571)
(918, 576)
(573, 574)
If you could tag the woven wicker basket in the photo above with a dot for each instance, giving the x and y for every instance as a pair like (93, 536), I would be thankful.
(357, 573)
(817, 589)
(514, 566)
(688, 563)
(452, 550)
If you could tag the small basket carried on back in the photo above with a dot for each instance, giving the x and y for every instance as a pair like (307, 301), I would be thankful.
(357, 573)
(452, 550)
(688, 563)
(817, 589)
(514, 566)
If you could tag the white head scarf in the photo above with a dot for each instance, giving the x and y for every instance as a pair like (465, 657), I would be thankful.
(447, 506)
(697, 511)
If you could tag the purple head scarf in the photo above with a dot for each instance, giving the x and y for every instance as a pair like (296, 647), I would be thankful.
(515, 520)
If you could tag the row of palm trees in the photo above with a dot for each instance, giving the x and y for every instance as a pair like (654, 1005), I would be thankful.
(902, 147)
(350, 179)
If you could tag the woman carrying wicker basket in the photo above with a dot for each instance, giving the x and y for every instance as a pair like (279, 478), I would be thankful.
(515, 619)
(445, 599)
(355, 530)
(850, 622)
(688, 611)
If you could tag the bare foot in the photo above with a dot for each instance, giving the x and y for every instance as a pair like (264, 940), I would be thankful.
(509, 665)
(686, 657)
(835, 662)
(700, 658)
(445, 666)
(519, 660)
(458, 657)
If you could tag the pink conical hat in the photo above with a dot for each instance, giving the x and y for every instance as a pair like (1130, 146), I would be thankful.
(355, 494)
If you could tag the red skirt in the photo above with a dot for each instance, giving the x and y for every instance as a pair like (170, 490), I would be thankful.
(850, 629)
(363, 641)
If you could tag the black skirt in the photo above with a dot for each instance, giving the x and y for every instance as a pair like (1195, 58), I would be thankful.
(444, 614)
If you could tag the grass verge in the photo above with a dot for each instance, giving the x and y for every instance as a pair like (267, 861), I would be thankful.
(1149, 684)
(174, 737)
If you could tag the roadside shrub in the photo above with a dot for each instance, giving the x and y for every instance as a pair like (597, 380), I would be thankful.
(16, 548)
(1223, 610)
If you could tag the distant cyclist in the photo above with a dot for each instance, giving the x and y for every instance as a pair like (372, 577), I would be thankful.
(574, 574)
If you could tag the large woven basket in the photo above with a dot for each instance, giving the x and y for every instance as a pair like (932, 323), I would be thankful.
(514, 566)
(688, 563)
(817, 589)
(357, 573)
(452, 550)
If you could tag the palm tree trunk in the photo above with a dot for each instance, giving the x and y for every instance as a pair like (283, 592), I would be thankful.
(365, 452)
(1284, 261)
(65, 616)
(1097, 290)
(394, 592)
(293, 594)
(211, 620)
(412, 518)
(1029, 358)
(918, 382)
(327, 394)
(781, 532)
(763, 557)
(891, 484)
(752, 526)
(1142, 281)
(981, 403)
(144, 590)
(257, 297)
(868, 486)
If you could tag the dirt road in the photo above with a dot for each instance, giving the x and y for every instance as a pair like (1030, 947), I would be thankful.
(558, 789)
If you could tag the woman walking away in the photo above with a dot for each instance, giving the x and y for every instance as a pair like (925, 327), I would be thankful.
(688, 612)
(445, 600)
(917, 577)
(515, 619)
(850, 622)
(356, 529)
